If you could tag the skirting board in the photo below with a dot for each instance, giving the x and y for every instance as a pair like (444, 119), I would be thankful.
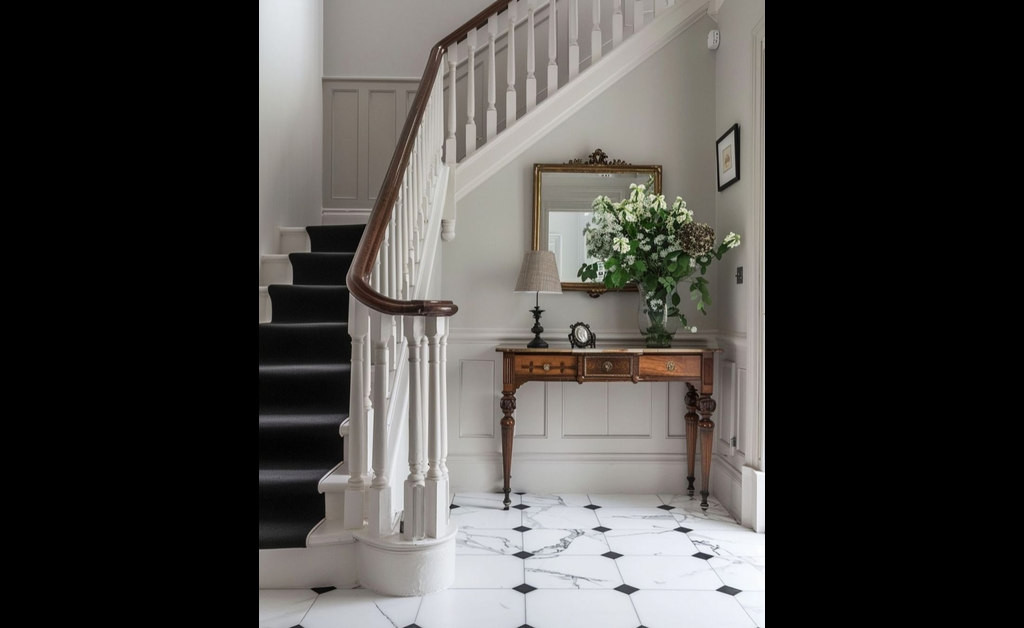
(572, 473)
(727, 486)
(753, 499)
(345, 216)
(307, 568)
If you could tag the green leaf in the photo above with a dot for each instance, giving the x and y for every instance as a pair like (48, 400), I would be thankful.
(676, 299)
(695, 296)
(612, 262)
(673, 267)
(651, 283)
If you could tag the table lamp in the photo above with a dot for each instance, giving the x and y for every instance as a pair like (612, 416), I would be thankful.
(539, 274)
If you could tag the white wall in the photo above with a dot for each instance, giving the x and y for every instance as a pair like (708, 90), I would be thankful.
(290, 116)
(388, 38)
(663, 113)
(737, 211)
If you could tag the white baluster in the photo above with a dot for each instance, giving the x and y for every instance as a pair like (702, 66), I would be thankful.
(574, 39)
(385, 268)
(451, 145)
(380, 516)
(415, 507)
(552, 48)
(511, 102)
(617, 24)
(639, 13)
(531, 58)
(436, 485)
(596, 36)
(375, 277)
(443, 391)
(358, 445)
(471, 95)
(492, 72)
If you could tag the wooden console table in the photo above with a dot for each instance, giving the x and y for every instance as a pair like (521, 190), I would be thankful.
(695, 367)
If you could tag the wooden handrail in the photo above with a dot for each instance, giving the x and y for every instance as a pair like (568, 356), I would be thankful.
(373, 238)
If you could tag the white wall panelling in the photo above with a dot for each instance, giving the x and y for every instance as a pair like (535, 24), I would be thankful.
(362, 122)
(476, 395)
(345, 216)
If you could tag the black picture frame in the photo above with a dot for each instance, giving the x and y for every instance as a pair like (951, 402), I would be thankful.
(591, 343)
(729, 158)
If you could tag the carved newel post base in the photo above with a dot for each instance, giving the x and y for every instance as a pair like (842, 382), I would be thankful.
(707, 407)
(508, 426)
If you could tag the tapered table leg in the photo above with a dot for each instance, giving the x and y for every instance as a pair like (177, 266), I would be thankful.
(692, 399)
(508, 429)
(707, 408)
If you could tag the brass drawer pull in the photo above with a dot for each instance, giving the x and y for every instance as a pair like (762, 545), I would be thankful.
(671, 367)
(547, 367)
(608, 366)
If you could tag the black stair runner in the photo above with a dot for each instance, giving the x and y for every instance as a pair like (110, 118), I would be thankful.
(305, 359)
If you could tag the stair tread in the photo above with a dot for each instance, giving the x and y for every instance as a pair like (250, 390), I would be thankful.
(309, 304)
(287, 534)
(335, 238)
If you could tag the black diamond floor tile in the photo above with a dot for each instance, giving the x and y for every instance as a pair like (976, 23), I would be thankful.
(684, 530)
(628, 590)
(523, 555)
(730, 591)
(521, 507)
(612, 555)
(667, 507)
(526, 626)
(602, 529)
(525, 589)
(454, 506)
(412, 626)
(703, 556)
(592, 507)
(521, 529)
(323, 590)
(520, 494)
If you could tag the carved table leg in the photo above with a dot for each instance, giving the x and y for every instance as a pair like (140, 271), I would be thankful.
(707, 439)
(692, 399)
(508, 428)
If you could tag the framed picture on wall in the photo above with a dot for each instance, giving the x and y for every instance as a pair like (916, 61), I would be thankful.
(729, 158)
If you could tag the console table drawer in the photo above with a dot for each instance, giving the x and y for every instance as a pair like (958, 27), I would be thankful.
(546, 366)
(656, 366)
(598, 366)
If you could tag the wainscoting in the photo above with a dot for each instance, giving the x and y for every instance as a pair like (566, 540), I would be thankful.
(569, 438)
(362, 122)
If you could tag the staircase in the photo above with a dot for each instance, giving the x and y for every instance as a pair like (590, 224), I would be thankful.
(305, 367)
(356, 346)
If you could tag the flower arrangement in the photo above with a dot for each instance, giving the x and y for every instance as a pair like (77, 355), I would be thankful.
(646, 241)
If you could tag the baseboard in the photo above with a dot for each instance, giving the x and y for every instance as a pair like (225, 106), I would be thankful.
(307, 568)
(753, 499)
(345, 216)
(727, 486)
(571, 473)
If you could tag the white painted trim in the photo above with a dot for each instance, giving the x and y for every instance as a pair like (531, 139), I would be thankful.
(714, 7)
(756, 455)
(727, 486)
(345, 216)
(395, 567)
(332, 566)
(753, 499)
(432, 242)
(569, 99)
(370, 79)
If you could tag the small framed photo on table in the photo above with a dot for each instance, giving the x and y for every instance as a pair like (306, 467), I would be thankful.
(729, 158)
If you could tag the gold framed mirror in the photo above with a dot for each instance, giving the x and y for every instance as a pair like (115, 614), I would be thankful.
(563, 197)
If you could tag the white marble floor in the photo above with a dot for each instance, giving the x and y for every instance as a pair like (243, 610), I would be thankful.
(568, 561)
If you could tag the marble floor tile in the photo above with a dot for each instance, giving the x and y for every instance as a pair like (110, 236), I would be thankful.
(468, 518)
(472, 542)
(360, 608)
(637, 519)
(284, 609)
(729, 542)
(559, 518)
(580, 609)
(547, 543)
(470, 609)
(753, 603)
(672, 609)
(669, 573)
(488, 572)
(571, 501)
(626, 501)
(572, 572)
(650, 543)
(738, 573)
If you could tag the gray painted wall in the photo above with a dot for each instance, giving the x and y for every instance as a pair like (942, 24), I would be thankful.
(290, 116)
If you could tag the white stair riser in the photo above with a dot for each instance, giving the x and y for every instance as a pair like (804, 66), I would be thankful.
(277, 270)
(333, 566)
(294, 241)
(265, 313)
(335, 506)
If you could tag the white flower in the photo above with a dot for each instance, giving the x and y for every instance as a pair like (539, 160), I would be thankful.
(621, 245)
(693, 330)
(630, 260)
(629, 216)
(732, 240)
(658, 241)
(693, 263)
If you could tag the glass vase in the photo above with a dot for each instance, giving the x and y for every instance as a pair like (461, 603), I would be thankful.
(653, 317)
